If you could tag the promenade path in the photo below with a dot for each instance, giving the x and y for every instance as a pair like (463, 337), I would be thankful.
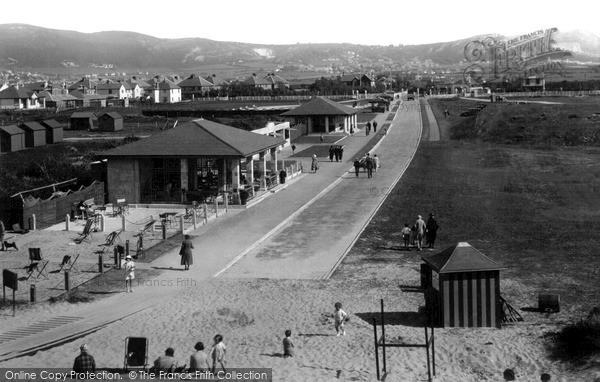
(302, 231)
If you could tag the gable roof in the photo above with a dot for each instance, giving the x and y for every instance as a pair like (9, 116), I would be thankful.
(167, 85)
(85, 83)
(12, 129)
(200, 137)
(349, 77)
(84, 114)
(215, 80)
(321, 106)
(109, 85)
(111, 114)
(194, 80)
(276, 79)
(51, 124)
(461, 257)
(32, 126)
(14, 93)
(255, 80)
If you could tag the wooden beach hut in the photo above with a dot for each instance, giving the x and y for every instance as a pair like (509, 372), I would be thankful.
(110, 122)
(12, 138)
(462, 288)
(35, 134)
(83, 120)
(54, 131)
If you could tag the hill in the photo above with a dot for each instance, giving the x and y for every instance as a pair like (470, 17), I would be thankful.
(25, 46)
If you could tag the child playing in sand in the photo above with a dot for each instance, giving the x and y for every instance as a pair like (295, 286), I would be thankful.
(217, 353)
(339, 316)
(288, 345)
(406, 235)
(129, 266)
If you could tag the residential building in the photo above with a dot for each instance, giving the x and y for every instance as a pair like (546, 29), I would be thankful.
(194, 87)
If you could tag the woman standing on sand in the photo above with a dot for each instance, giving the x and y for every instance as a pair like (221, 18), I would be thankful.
(187, 258)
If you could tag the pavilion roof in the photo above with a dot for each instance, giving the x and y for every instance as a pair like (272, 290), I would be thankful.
(200, 137)
(321, 106)
(461, 257)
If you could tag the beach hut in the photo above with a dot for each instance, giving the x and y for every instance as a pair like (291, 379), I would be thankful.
(110, 122)
(462, 288)
(54, 131)
(11, 138)
(35, 134)
(83, 120)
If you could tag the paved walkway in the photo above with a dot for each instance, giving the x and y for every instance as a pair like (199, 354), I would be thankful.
(434, 129)
(302, 231)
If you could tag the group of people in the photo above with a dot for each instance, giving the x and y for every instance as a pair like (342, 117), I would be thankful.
(368, 127)
(369, 163)
(420, 230)
(336, 152)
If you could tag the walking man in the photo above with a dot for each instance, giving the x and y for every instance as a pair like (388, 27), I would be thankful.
(432, 227)
(368, 128)
(420, 231)
(356, 166)
(374, 126)
(369, 165)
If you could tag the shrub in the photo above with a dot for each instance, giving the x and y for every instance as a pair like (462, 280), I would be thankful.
(580, 341)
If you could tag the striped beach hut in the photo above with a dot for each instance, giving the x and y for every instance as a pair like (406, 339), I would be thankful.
(462, 288)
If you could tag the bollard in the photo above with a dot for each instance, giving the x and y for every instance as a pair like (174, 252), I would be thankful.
(126, 248)
(164, 230)
(33, 222)
(100, 264)
(67, 221)
(116, 256)
(119, 254)
(226, 200)
(194, 219)
(101, 217)
(216, 208)
(123, 222)
(67, 284)
(205, 207)
(32, 293)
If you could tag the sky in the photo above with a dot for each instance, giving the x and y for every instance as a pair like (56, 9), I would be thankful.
(383, 22)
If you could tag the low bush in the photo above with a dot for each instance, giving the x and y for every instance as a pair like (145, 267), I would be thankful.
(578, 342)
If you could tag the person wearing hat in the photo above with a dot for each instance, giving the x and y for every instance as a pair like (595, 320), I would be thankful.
(432, 227)
(84, 362)
(129, 266)
(314, 164)
(166, 362)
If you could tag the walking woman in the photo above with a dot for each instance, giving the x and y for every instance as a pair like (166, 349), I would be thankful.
(187, 258)
(315, 163)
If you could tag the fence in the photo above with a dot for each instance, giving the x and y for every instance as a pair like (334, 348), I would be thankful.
(553, 93)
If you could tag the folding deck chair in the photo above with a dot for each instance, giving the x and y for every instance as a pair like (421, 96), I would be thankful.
(136, 353)
(68, 263)
(87, 232)
(36, 263)
(111, 238)
(147, 227)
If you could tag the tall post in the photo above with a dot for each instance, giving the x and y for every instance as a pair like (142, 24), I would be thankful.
(181, 224)
(101, 217)
(116, 254)
(32, 293)
(205, 208)
(427, 353)
(216, 208)
(33, 222)
(67, 222)
(383, 337)
(123, 222)
(126, 248)
(100, 264)
(67, 283)
(376, 347)
(194, 219)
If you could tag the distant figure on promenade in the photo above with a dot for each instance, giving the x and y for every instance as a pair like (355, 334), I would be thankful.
(368, 128)
(432, 228)
(376, 162)
(322, 138)
(315, 163)
(352, 129)
(2, 233)
(406, 231)
(293, 149)
(369, 164)
(419, 231)
(336, 153)
(199, 359)
(339, 316)
(165, 363)
(129, 266)
(84, 362)
(374, 126)
(331, 153)
(217, 353)
(187, 257)
(288, 345)
(356, 166)
(341, 151)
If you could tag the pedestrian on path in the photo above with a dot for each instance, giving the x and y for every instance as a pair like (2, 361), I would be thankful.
(187, 258)
(406, 236)
(352, 129)
(374, 126)
(322, 138)
(369, 164)
(129, 266)
(315, 163)
(339, 317)
(217, 353)
(432, 228)
(341, 151)
(356, 166)
(420, 231)
(293, 149)
(376, 162)
(368, 128)
(331, 153)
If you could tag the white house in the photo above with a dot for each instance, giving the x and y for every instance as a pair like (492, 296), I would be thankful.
(166, 91)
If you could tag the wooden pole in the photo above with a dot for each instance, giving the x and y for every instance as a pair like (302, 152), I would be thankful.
(383, 338)
(67, 284)
(427, 352)
(32, 293)
(205, 207)
(100, 264)
(376, 347)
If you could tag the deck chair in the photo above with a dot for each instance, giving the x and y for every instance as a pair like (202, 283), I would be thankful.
(39, 267)
(69, 263)
(111, 238)
(147, 227)
(136, 353)
(35, 255)
(87, 232)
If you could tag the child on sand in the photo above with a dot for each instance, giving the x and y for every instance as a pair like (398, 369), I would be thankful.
(217, 353)
(129, 266)
(288, 345)
(339, 316)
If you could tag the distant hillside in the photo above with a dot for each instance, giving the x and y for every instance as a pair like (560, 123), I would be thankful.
(25, 46)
